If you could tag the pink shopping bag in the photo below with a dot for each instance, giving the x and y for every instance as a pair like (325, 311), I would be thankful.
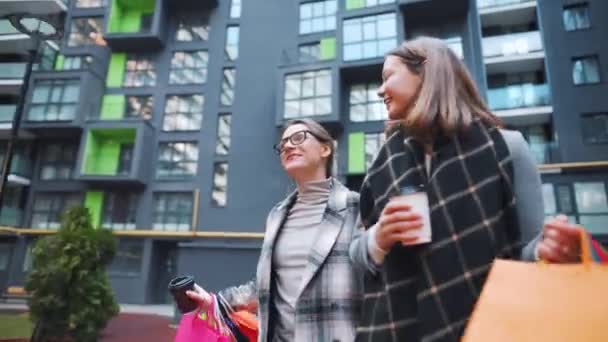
(199, 326)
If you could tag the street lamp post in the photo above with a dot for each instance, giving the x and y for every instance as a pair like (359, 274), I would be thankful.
(40, 29)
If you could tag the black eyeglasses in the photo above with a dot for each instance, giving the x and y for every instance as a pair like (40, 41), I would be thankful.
(295, 139)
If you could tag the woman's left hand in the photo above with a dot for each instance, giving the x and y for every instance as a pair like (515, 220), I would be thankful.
(561, 242)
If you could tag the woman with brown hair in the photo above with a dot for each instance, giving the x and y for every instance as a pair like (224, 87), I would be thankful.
(305, 287)
(484, 199)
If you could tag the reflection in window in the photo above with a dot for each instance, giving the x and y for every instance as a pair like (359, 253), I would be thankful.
(227, 95)
(365, 105)
(585, 70)
(128, 257)
(54, 100)
(318, 16)
(220, 184)
(49, 208)
(309, 52)
(189, 67)
(307, 94)
(595, 128)
(183, 113)
(139, 107)
(222, 146)
(576, 17)
(140, 72)
(81, 29)
(235, 9)
(77, 62)
(119, 210)
(192, 29)
(57, 161)
(369, 37)
(177, 159)
(373, 142)
(173, 211)
(592, 206)
(232, 43)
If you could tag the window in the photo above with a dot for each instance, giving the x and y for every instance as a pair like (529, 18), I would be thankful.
(139, 107)
(77, 62)
(183, 113)
(177, 159)
(49, 207)
(540, 141)
(592, 206)
(557, 200)
(370, 3)
(54, 100)
(309, 52)
(81, 29)
(57, 161)
(128, 257)
(220, 183)
(595, 128)
(5, 255)
(585, 70)
(232, 43)
(308, 94)
(369, 37)
(119, 210)
(173, 211)
(222, 147)
(235, 9)
(90, 3)
(549, 200)
(189, 67)
(318, 16)
(576, 17)
(139, 72)
(373, 142)
(365, 105)
(227, 95)
(192, 29)
(125, 157)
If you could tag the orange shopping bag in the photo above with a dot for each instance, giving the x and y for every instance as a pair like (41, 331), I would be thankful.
(542, 302)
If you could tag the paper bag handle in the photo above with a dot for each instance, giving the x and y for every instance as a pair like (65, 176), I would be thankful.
(586, 257)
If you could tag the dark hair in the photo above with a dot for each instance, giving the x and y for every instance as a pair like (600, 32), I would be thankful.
(448, 100)
(320, 134)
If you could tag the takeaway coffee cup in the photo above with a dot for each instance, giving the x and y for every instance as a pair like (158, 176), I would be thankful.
(178, 287)
(416, 197)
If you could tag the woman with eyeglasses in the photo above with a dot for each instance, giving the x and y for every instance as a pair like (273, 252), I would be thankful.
(305, 287)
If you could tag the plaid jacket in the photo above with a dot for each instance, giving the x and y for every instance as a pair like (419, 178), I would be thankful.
(328, 305)
(427, 292)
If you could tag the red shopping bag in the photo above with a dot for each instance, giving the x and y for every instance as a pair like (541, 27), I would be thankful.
(200, 326)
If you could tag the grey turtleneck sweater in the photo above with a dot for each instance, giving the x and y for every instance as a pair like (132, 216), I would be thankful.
(292, 247)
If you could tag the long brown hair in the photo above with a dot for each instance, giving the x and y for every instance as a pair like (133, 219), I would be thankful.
(321, 134)
(448, 100)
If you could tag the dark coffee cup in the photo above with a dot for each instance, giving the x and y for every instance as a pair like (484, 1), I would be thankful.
(178, 287)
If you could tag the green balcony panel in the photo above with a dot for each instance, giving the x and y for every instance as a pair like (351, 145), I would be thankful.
(116, 71)
(126, 15)
(356, 153)
(59, 62)
(354, 4)
(102, 150)
(328, 48)
(94, 202)
(113, 107)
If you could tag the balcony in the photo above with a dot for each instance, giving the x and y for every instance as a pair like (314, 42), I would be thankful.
(21, 167)
(491, 6)
(511, 53)
(136, 25)
(13, 41)
(522, 104)
(11, 77)
(7, 112)
(37, 7)
(11, 216)
(116, 156)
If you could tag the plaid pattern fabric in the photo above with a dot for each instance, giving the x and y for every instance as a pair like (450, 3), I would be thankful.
(427, 292)
(328, 305)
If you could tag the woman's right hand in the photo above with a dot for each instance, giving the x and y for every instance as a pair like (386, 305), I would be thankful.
(396, 224)
(200, 296)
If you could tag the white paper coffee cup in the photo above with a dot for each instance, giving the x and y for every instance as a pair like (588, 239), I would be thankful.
(417, 199)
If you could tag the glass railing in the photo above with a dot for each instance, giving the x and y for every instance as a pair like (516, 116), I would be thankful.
(545, 153)
(512, 44)
(498, 3)
(7, 112)
(12, 70)
(7, 28)
(519, 96)
(10, 217)
(20, 165)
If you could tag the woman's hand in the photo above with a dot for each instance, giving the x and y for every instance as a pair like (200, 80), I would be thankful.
(397, 223)
(201, 297)
(561, 241)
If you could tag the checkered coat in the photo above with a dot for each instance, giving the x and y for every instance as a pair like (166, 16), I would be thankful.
(427, 292)
(328, 304)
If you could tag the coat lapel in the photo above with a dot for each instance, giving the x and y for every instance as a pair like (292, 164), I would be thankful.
(329, 230)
